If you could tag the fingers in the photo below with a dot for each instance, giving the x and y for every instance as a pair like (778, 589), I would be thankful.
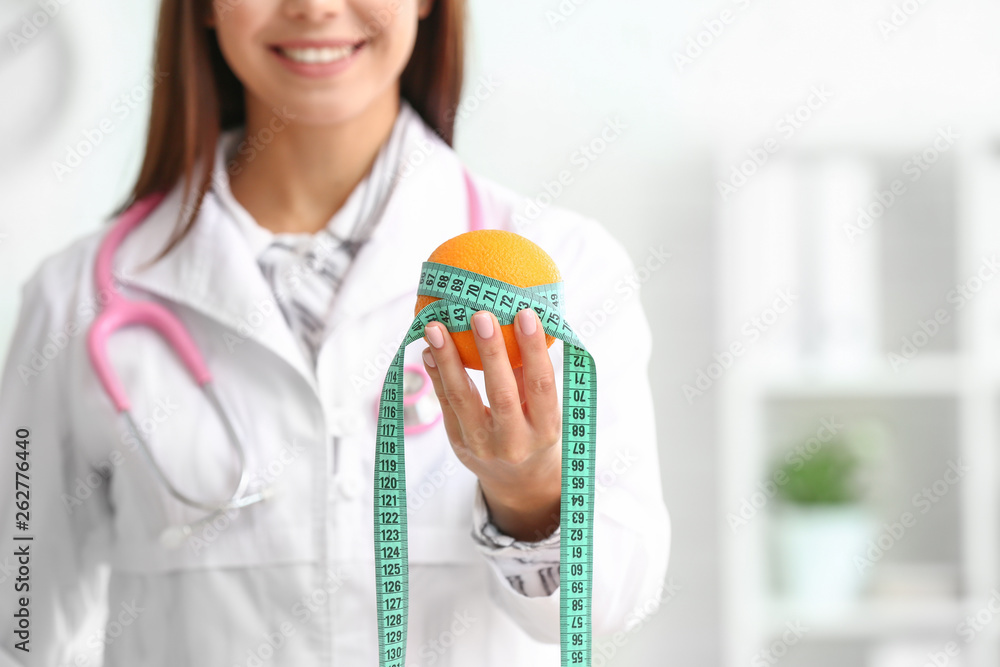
(453, 385)
(451, 424)
(519, 376)
(538, 376)
(498, 376)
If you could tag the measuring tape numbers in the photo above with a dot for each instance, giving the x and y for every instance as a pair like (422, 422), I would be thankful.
(461, 293)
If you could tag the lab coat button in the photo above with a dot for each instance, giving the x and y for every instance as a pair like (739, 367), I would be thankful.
(350, 487)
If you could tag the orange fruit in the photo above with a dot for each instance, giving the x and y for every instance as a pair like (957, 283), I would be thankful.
(499, 254)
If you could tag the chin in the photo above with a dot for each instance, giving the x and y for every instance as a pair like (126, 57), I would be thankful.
(318, 108)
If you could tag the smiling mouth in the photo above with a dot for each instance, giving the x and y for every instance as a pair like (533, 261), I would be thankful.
(313, 55)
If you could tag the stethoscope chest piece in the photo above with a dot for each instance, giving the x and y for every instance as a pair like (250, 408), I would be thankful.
(421, 410)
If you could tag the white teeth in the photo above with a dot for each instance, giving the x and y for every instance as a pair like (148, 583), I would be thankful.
(318, 56)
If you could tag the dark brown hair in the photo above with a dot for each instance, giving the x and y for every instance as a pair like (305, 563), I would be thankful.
(199, 97)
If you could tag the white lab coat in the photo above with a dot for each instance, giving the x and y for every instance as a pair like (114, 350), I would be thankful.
(291, 581)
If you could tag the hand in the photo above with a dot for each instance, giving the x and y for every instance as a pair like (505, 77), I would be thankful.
(514, 445)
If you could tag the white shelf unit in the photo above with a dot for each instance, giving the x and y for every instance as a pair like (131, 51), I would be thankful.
(967, 375)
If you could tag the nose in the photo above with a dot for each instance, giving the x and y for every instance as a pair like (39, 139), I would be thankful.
(313, 10)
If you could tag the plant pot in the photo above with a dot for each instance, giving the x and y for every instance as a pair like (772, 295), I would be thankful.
(815, 549)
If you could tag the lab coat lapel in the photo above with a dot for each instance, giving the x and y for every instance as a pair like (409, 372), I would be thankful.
(427, 208)
(212, 271)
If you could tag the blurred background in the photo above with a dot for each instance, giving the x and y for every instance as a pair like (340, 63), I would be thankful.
(825, 181)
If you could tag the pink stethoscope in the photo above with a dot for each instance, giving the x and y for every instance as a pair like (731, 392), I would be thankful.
(421, 410)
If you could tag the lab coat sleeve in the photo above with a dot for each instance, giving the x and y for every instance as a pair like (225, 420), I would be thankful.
(60, 579)
(631, 523)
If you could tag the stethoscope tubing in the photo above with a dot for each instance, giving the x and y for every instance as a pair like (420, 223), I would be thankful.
(119, 312)
(234, 440)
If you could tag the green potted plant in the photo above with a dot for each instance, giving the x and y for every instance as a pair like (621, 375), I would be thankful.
(821, 523)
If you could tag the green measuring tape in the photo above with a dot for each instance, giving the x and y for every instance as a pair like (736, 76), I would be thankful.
(461, 293)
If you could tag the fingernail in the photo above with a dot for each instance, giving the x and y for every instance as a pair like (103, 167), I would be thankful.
(483, 323)
(429, 358)
(435, 336)
(526, 320)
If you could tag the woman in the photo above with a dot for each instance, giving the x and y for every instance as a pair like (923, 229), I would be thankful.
(304, 148)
